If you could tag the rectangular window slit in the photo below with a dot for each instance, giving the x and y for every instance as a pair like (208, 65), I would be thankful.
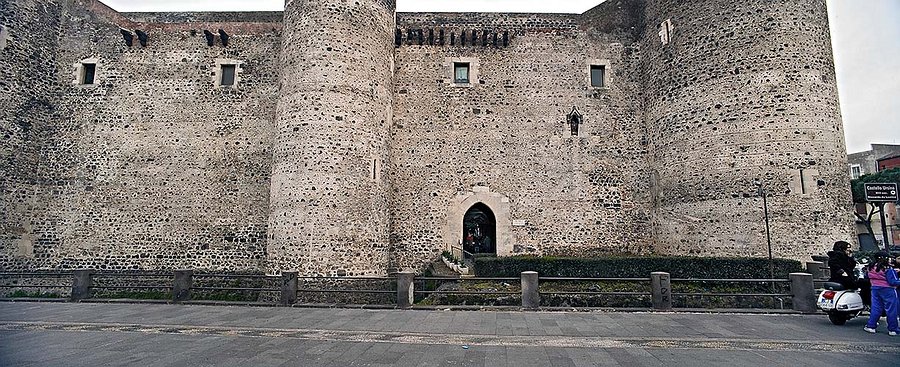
(461, 73)
(665, 31)
(228, 72)
(90, 70)
(802, 183)
(598, 74)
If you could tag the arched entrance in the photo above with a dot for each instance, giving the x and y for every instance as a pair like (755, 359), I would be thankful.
(497, 205)
(480, 230)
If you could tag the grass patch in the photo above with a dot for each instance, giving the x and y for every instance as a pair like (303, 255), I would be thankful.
(548, 299)
(226, 296)
(34, 294)
(152, 295)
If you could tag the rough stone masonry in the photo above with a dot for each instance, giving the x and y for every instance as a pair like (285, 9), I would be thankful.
(342, 138)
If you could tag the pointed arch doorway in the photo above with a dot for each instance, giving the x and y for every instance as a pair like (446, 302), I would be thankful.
(480, 230)
(454, 233)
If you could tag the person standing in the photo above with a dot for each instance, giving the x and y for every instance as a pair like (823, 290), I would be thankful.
(884, 294)
(470, 242)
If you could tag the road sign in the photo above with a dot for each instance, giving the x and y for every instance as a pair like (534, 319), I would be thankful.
(881, 192)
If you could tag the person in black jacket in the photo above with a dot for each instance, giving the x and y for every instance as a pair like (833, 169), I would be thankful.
(842, 265)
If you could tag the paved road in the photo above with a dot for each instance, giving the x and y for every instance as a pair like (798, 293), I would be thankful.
(51, 334)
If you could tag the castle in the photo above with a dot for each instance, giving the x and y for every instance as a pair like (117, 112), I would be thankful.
(342, 138)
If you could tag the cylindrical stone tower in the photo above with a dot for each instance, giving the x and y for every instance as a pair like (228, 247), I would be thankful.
(742, 96)
(328, 193)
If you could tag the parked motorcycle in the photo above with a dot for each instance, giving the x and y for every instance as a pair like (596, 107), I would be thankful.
(841, 304)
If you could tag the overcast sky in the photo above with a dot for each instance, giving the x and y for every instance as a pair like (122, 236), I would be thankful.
(866, 36)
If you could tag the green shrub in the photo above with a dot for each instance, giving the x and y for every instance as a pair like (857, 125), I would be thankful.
(635, 267)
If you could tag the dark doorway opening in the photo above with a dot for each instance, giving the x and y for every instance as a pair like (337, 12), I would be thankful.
(480, 230)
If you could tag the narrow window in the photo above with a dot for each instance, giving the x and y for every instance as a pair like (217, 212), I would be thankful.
(88, 71)
(802, 182)
(855, 171)
(461, 73)
(665, 31)
(228, 75)
(374, 169)
(598, 74)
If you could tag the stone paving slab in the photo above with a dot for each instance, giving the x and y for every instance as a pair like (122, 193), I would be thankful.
(577, 324)
(49, 334)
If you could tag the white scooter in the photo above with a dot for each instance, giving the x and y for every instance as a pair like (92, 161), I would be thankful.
(842, 304)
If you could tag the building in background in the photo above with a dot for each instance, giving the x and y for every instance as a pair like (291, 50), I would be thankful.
(881, 157)
(864, 163)
(888, 161)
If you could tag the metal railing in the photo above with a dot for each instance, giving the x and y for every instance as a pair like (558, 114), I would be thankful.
(593, 280)
(182, 285)
(404, 285)
(659, 287)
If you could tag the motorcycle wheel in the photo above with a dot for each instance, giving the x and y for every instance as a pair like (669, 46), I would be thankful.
(838, 318)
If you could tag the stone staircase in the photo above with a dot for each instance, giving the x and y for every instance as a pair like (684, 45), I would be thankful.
(439, 269)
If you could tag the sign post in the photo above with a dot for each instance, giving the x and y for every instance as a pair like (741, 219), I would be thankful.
(882, 193)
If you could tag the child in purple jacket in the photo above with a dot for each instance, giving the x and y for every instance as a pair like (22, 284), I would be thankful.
(884, 294)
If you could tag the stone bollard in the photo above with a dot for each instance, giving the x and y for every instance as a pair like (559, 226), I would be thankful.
(81, 285)
(531, 297)
(661, 285)
(815, 269)
(803, 293)
(405, 289)
(288, 288)
(181, 291)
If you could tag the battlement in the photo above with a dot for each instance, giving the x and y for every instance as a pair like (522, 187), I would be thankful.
(205, 17)
(515, 23)
(480, 30)
(444, 37)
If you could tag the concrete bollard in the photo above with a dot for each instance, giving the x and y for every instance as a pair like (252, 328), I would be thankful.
(531, 297)
(181, 290)
(803, 292)
(81, 285)
(288, 288)
(661, 286)
(815, 269)
(405, 289)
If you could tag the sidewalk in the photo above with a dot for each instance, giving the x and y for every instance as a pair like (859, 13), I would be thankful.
(49, 334)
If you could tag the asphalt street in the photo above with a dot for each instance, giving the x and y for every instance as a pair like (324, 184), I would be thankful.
(82, 334)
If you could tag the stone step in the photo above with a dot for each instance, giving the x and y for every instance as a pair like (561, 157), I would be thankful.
(439, 269)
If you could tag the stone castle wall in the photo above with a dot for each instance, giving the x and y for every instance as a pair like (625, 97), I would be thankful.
(506, 134)
(738, 95)
(329, 191)
(153, 167)
(347, 149)
(28, 119)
